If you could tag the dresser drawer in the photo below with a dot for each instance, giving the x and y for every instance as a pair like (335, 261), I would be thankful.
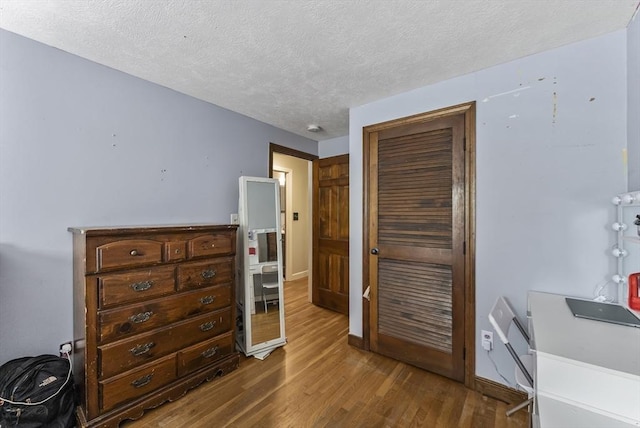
(137, 383)
(118, 323)
(128, 253)
(175, 251)
(213, 244)
(119, 288)
(125, 354)
(206, 273)
(203, 354)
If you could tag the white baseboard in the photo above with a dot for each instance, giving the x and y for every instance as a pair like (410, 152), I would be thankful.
(298, 275)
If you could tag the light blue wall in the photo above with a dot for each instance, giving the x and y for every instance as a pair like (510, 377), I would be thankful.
(551, 130)
(333, 147)
(633, 102)
(84, 145)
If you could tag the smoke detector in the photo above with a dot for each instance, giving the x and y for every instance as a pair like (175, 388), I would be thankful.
(314, 128)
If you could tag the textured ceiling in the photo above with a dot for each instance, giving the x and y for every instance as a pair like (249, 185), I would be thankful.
(293, 63)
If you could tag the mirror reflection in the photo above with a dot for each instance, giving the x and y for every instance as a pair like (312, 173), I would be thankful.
(265, 322)
(267, 247)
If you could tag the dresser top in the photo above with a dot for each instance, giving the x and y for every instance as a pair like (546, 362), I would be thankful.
(121, 230)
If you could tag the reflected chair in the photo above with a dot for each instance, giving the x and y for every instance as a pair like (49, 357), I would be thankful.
(270, 282)
(501, 318)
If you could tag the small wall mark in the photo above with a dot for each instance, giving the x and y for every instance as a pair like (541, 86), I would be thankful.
(515, 92)
(592, 99)
(555, 106)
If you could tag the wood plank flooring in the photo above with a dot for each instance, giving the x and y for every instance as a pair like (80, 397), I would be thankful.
(318, 380)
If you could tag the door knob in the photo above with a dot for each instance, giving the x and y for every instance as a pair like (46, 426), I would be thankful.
(374, 251)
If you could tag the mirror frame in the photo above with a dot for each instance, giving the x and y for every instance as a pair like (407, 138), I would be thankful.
(259, 350)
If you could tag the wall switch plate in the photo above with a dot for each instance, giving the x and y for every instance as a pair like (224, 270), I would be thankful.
(487, 340)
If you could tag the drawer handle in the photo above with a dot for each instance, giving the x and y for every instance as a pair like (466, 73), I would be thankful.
(207, 300)
(208, 274)
(142, 349)
(210, 352)
(144, 380)
(141, 317)
(134, 253)
(207, 326)
(141, 286)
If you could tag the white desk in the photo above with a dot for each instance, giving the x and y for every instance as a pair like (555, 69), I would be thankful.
(587, 373)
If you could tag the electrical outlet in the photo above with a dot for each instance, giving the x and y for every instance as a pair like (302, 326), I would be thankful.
(66, 348)
(234, 219)
(487, 340)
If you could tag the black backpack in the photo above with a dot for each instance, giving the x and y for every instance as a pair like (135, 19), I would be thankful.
(45, 381)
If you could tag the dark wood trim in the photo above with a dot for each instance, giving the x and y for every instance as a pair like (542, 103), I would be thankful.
(421, 117)
(355, 341)
(499, 391)
(275, 148)
(469, 110)
(366, 315)
(470, 239)
(315, 228)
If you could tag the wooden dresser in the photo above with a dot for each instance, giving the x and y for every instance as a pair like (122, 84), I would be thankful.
(153, 315)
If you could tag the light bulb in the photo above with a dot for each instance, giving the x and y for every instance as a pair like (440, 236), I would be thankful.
(616, 200)
(619, 252)
(618, 279)
(618, 226)
(627, 199)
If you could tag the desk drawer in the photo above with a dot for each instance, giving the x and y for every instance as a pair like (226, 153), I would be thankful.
(558, 413)
(588, 386)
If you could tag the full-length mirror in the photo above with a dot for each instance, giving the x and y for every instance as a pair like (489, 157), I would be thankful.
(260, 294)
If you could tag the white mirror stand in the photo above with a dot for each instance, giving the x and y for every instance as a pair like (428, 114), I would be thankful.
(260, 294)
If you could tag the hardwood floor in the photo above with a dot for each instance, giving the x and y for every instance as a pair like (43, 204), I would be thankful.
(318, 380)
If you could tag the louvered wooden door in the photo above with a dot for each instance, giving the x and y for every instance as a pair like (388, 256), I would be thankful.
(330, 285)
(416, 243)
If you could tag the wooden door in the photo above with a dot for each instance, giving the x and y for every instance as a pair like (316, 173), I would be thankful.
(416, 243)
(330, 287)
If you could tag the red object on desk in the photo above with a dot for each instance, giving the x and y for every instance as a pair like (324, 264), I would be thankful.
(634, 291)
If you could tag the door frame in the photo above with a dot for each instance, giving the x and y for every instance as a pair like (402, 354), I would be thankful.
(288, 213)
(276, 148)
(469, 111)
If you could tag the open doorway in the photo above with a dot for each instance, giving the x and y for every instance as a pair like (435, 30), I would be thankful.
(294, 171)
(284, 176)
